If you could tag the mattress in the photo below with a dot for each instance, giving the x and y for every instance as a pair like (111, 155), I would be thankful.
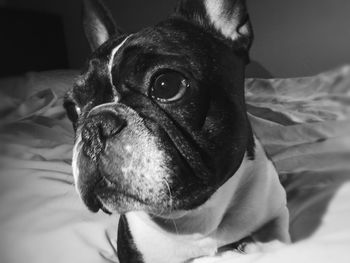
(303, 123)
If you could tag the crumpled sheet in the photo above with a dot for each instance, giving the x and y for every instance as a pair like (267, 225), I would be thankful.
(303, 123)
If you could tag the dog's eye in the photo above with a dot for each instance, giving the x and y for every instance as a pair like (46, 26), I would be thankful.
(169, 87)
(73, 111)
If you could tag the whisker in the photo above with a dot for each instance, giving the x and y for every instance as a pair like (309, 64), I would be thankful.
(176, 230)
(171, 207)
(169, 191)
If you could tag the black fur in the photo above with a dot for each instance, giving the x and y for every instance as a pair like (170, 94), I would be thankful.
(127, 251)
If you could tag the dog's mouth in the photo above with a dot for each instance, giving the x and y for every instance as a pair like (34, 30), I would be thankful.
(111, 198)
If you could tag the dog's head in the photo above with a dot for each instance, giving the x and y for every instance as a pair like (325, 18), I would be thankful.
(159, 115)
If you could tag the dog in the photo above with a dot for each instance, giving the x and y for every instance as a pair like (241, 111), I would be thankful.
(162, 135)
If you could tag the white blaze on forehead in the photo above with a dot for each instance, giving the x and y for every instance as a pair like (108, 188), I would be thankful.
(114, 51)
(226, 23)
(111, 59)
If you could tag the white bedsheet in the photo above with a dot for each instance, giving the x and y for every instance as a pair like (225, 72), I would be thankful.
(303, 123)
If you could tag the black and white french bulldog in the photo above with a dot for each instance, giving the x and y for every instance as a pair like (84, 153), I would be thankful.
(163, 138)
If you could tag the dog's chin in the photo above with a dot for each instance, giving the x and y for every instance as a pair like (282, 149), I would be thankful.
(115, 198)
(120, 204)
(125, 203)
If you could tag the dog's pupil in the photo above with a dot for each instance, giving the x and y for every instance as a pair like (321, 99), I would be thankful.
(167, 85)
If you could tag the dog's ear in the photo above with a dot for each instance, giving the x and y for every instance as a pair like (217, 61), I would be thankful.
(228, 18)
(98, 23)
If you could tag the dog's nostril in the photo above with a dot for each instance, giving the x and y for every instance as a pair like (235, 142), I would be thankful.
(110, 124)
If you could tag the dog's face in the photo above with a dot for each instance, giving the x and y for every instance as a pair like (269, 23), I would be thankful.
(159, 115)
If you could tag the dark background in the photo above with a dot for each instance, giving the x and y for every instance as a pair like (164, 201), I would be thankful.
(292, 38)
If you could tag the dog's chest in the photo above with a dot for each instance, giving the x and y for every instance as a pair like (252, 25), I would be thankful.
(157, 245)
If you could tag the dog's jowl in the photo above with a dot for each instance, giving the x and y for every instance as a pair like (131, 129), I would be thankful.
(163, 138)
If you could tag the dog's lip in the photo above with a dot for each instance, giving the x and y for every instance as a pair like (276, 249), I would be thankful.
(98, 204)
(106, 186)
(172, 215)
(91, 201)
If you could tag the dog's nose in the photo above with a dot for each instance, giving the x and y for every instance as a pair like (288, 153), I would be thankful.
(97, 129)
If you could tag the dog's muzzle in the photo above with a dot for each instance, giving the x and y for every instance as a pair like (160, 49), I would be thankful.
(118, 164)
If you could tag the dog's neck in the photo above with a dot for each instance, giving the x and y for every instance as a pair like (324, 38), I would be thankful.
(247, 201)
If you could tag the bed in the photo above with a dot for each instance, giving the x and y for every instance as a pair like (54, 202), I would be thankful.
(303, 123)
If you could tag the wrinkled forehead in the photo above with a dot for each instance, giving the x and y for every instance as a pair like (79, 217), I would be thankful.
(171, 37)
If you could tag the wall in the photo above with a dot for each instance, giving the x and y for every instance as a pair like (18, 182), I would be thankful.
(301, 37)
(292, 38)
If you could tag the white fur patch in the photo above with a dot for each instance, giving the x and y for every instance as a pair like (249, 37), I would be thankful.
(227, 25)
(159, 246)
(110, 64)
(114, 51)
